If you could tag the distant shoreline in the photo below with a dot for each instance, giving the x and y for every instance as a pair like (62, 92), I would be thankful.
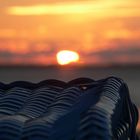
(70, 65)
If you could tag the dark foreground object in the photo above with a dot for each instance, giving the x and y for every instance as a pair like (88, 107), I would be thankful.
(82, 109)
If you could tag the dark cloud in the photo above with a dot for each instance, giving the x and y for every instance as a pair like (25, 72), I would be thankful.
(110, 54)
(9, 55)
(118, 53)
(6, 54)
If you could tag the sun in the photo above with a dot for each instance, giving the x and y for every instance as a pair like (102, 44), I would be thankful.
(65, 57)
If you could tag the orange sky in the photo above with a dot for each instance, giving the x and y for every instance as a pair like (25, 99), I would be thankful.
(101, 31)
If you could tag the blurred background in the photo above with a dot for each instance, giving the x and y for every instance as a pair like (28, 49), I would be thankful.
(67, 39)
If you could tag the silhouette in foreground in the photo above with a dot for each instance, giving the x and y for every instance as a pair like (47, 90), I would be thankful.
(82, 109)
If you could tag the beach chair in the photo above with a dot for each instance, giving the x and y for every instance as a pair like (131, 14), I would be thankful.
(81, 109)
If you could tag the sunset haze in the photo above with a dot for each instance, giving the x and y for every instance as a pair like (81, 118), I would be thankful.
(101, 31)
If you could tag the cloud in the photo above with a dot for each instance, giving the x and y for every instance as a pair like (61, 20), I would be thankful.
(31, 53)
(16, 52)
(122, 54)
(102, 8)
(32, 57)
(51, 9)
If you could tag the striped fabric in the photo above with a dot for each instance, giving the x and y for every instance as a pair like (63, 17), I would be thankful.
(82, 109)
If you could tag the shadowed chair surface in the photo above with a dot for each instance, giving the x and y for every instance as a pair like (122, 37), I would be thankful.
(81, 109)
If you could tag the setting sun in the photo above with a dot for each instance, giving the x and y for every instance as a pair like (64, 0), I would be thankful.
(66, 57)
